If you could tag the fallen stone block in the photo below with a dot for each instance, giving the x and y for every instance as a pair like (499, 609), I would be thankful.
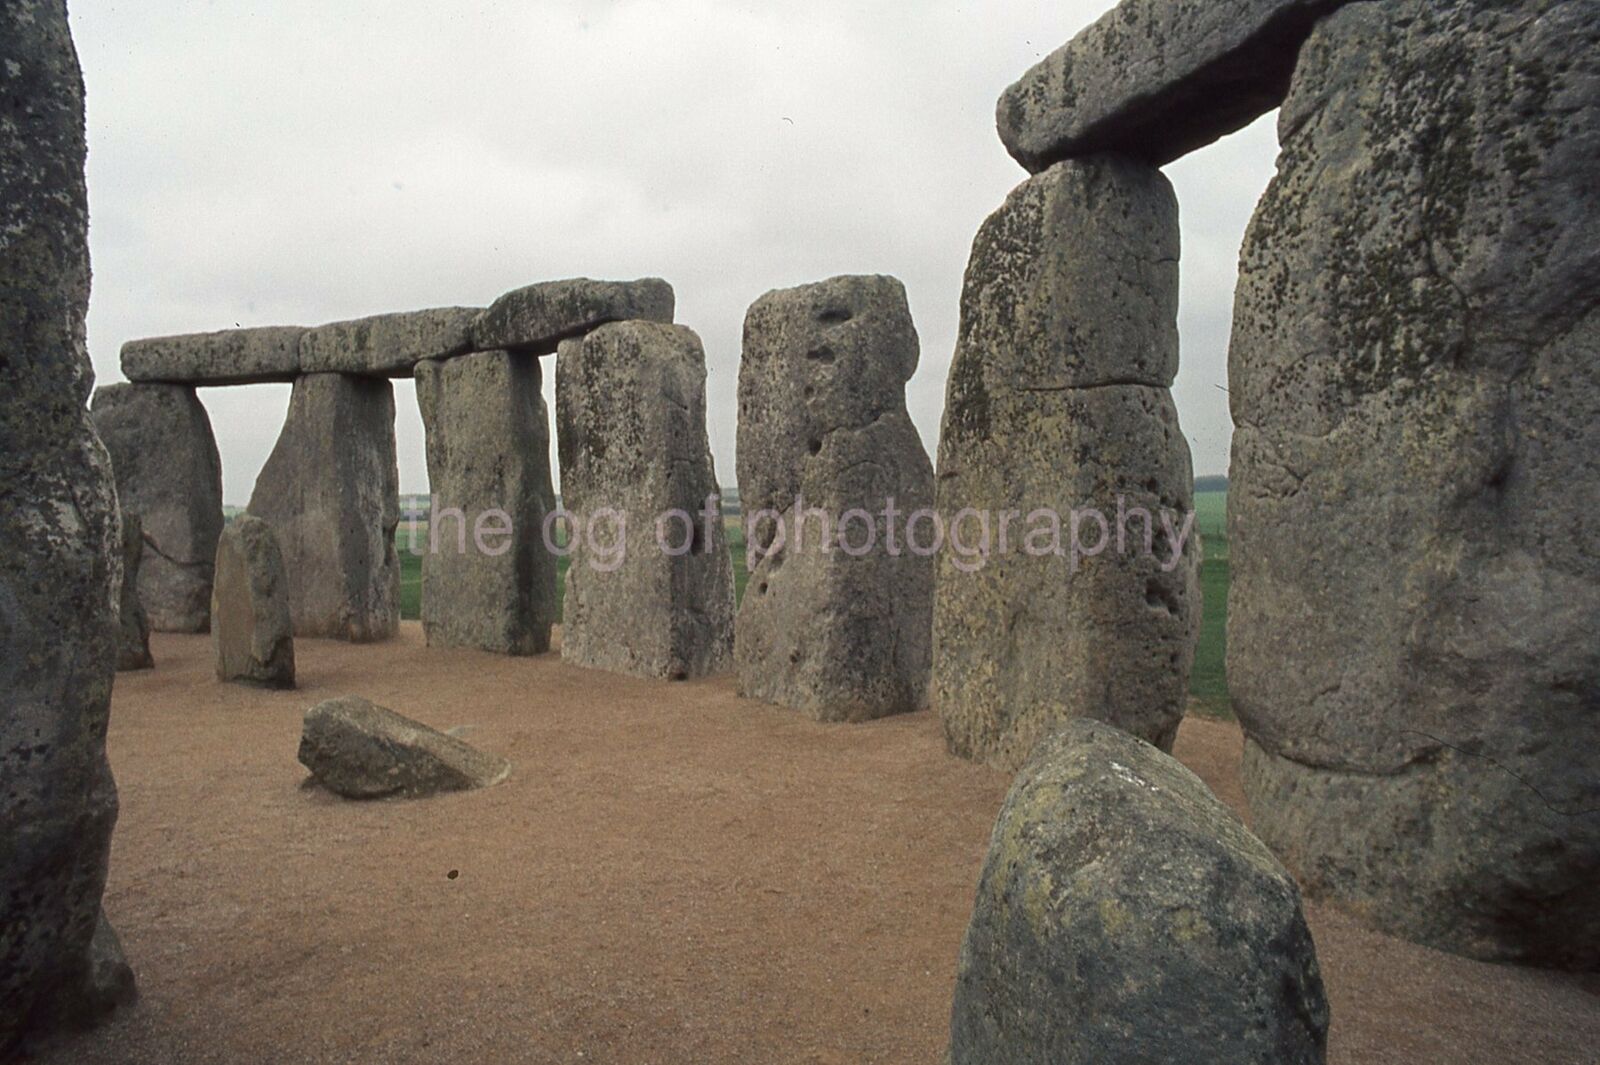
(252, 640)
(387, 345)
(1157, 79)
(1125, 915)
(535, 319)
(363, 751)
(228, 357)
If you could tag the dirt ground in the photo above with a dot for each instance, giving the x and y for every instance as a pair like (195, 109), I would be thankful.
(671, 874)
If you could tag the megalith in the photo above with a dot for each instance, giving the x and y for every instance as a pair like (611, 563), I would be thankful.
(533, 320)
(252, 638)
(1125, 915)
(649, 583)
(225, 357)
(839, 627)
(1415, 376)
(1068, 586)
(330, 491)
(168, 472)
(361, 750)
(133, 626)
(61, 562)
(488, 579)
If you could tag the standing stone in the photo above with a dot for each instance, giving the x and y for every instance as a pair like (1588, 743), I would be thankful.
(650, 583)
(1058, 403)
(168, 472)
(133, 627)
(59, 568)
(1156, 79)
(488, 581)
(331, 492)
(1416, 565)
(252, 640)
(1125, 915)
(839, 627)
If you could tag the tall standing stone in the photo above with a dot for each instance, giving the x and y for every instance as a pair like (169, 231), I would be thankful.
(58, 522)
(1416, 566)
(1058, 410)
(840, 627)
(488, 580)
(331, 492)
(168, 472)
(252, 637)
(650, 583)
(133, 626)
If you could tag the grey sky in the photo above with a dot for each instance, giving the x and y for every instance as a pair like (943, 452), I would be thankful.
(311, 160)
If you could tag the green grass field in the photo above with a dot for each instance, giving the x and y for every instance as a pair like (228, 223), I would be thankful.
(1208, 683)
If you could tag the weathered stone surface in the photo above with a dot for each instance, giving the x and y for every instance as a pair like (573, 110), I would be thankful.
(133, 626)
(227, 357)
(252, 639)
(1126, 915)
(107, 977)
(843, 635)
(388, 345)
(363, 751)
(1416, 569)
(168, 472)
(1156, 79)
(60, 565)
(631, 430)
(488, 580)
(330, 491)
(537, 318)
(1055, 405)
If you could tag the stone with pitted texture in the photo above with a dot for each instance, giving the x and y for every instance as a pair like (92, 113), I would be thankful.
(839, 630)
(227, 357)
(1057, 411)
(168, 472)
(252, 640)
(360, 750)
(537, 318)
(1415, 377)
(650, 583)
(330, 491)
(388, 345)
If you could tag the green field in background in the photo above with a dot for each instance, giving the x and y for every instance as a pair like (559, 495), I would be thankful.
(1208, 683)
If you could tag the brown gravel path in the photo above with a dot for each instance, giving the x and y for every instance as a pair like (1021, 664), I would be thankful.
(671, 875)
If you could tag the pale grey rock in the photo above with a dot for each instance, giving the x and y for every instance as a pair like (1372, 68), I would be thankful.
(1056, 404)
(227, 357)
(1416, 567)
(360, 750)
(133, 626)
(631, 431)
(843, 635)
(1156, 79)
(252, 637)
(168, 472)
(388, 345)
(488, 579)
(59, 569)
(1125, 915)
(330, 491)
(537, 318)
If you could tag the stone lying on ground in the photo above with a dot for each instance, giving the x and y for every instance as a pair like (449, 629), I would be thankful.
(537, 318)
(364, 751)
(168, 472)
(227, 357)
(488, 580)
(1416, 565)
(58, 524)
(1124, 914)
(1056, 403)
(252, 641)
(133, 628)
(387, 345)
(842, 636)
(1156, 79)
(330, 491)
(631, 417)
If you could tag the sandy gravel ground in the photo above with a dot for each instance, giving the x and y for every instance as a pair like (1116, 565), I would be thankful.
(671, 875)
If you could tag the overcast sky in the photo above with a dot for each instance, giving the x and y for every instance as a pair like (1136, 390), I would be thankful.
(310, 160)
